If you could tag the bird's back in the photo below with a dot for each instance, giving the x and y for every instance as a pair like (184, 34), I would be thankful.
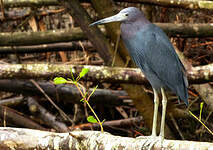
(153, 52)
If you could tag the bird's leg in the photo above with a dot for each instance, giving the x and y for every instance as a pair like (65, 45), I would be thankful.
(151, 140)
(155, 116)
(164, 102)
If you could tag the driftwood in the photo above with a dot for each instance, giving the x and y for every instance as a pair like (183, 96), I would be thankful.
(200, 74)
(75, 34)
(16, 138)
(186, 4)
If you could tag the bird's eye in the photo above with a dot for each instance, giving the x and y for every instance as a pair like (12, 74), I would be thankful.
(126, 14)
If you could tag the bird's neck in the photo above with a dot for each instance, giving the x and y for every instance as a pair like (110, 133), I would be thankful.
(129, 29)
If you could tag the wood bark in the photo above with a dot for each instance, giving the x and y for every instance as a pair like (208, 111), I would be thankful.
(24, 139)
(196, 75)
(75, 34)
(186, 4)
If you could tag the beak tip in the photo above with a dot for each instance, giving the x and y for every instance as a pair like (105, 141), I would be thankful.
(92, 24)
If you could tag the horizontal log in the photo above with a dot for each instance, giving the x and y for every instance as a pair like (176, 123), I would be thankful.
(66, 46)
(196, 75)
(41, 37)
(85, 140)
(75, 34)
(187, 30)
(66, 93)
(29, 3)
(186, 4)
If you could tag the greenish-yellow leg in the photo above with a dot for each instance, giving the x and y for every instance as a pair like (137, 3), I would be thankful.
(164, 103)
(155, 116)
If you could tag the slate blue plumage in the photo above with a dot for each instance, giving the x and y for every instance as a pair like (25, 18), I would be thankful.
(153, 53)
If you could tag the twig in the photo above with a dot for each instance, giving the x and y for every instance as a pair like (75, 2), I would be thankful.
(51, 101)
(176, 126)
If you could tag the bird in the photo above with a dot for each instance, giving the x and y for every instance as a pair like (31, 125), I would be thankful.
(152, 51)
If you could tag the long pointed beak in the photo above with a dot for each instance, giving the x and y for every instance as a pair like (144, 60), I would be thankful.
(115, 18)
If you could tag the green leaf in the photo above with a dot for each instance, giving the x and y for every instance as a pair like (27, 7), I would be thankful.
(83, 72)
(59, 80)
(91, 119)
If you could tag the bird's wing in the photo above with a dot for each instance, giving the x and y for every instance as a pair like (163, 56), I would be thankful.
(153, 50)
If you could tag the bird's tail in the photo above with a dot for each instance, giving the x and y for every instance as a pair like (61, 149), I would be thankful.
(183, 91)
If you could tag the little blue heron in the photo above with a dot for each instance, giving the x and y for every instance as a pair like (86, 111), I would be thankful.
(153, 53)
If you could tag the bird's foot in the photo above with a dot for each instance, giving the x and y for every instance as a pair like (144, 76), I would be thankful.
(151, 141)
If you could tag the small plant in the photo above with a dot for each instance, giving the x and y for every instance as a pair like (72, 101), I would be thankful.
(83, 92)
(200, 119)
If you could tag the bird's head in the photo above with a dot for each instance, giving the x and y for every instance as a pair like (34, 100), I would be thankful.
(129, 14)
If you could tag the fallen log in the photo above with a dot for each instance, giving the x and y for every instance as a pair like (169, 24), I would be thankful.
(66, 46)
(66, 93)
(75, 34)
(85, 140)
(196, 75)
